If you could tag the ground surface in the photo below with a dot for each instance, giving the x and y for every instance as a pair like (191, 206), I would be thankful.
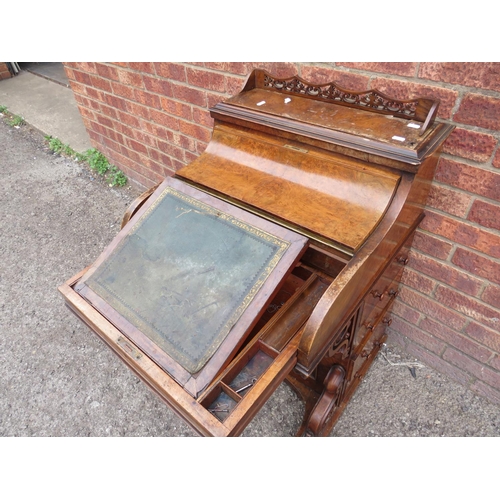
(58, 379)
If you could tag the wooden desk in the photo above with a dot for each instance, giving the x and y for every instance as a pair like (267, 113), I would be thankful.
(276, 255)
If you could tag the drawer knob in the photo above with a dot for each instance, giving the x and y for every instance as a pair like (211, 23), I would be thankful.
(378, 294)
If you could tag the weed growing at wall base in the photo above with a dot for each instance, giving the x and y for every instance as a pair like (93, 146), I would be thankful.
(94, 159)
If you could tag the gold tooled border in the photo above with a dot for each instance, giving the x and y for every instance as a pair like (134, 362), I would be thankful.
(219, 338)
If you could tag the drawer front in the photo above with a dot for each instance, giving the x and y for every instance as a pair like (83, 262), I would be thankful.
(364, 355)
(382, 293)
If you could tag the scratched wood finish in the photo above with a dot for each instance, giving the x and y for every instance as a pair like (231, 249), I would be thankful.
(340, 201)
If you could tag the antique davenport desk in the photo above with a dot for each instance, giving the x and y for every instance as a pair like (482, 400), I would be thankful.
(276, 255)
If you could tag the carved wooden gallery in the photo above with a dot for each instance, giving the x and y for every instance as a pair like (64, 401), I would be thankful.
(275, 255)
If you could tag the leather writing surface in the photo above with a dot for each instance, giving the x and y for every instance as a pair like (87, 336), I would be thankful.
(185, 273)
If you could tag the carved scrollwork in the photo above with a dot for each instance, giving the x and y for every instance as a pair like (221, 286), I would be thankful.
(330, 91)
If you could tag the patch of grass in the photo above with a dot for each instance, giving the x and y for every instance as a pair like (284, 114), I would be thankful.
(10, 119)
(59, 147)
(15, 121)
(93, 158)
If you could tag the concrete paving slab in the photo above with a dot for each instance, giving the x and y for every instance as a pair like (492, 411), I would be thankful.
(47, 106)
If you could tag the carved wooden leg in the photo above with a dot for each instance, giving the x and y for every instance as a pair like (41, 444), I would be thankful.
(327, 402)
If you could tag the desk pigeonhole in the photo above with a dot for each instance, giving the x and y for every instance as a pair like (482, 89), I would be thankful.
(275, 255)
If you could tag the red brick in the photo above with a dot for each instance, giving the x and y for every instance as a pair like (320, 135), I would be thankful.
(171, 150)
(131, 120)
(432, 308)
(438, 364)
(403, 311)
(480, 111)
(472, 179)
(82, 77)
(196, 131)
(393, 68)
(237, 68)
(417, 335)
(105, 121)
(88, 67)
(109, 111)
(234, 84)
(137, 146)
(165, 119)
(189, 95)
(115, 102)
(177, 164)
(138, 110)
(121, 64)
(206, 79)
(131, 78)
(160, 157)
(449, 200)
(202, 117)
(123, 90)
(471, 74)
(277, 69)
(445, 273)
(472, 145)
(213, 99)
(147, 99)
(107, 71)
(456, 340)
(77, 87)
(190, 157)
(155, 130)
(463, 233)
(477, 264)
(486, 391)
(143, 138)
(183, 141)
(69, 73)
(417, 281)
(96, 94)
(468, 306)
(101, 83)
(158, 86)
(495, 362)
(87, 113)
(491, 295)
(320, 75)
(496, 160)
(143, 67)
(201, 146)
(177, 108)
(432, 246)
(478, 370)
(400, 89)
(486, 214)
(172, 71)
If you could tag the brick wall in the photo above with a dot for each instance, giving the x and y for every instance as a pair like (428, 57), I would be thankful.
(152, 118)
(4, 71)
